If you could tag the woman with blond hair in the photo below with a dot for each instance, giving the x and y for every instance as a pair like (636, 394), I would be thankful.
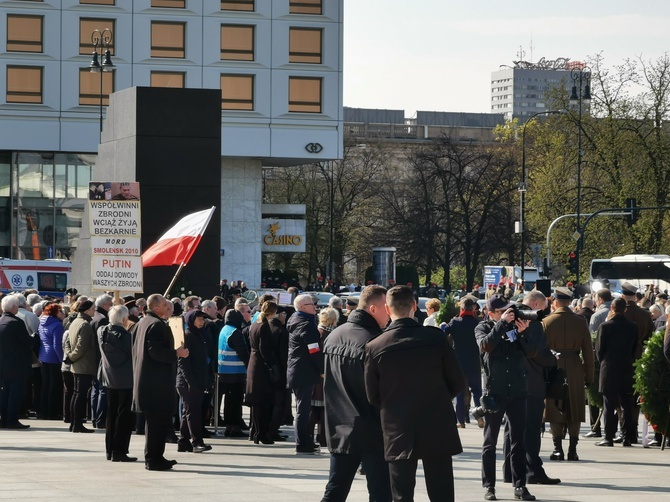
(262, 371)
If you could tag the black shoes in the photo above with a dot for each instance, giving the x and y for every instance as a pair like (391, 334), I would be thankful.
(490, 494)
(18, 426)
(522, 493)
(542, 480)
(593, 434)
(161, 465)
(307, 451)
(263, 441)
(184, 446)
(83, 430)
(199, 448)
(123, 458)
(605, 442)
(235, 434)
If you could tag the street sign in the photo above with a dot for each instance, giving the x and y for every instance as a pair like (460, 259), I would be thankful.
(576, 236)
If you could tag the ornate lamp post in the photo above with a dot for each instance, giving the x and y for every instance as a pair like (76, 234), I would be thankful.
(102, 59)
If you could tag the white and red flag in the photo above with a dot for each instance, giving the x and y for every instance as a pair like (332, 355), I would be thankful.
(179, 243)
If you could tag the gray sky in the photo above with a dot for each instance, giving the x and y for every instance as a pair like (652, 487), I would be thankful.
(438, 55)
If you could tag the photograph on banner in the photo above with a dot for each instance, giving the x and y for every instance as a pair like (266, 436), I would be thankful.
(126, 190)
(112, 273)
(100, 190)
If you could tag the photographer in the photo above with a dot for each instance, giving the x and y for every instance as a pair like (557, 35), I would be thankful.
(534, 304)
(504, 347)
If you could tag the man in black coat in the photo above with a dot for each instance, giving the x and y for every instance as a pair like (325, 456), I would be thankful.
(616, 347)
(536, 367)
(504, 347)
(304, 367)
(154, 379)
(411, 375)
(462, 332)
(15, 363)
(353, 427)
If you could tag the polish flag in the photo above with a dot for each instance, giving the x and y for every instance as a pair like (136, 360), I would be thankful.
(179, 243)
(313, 348)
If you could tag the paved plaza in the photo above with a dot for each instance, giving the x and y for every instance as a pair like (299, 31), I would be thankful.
(48, 463)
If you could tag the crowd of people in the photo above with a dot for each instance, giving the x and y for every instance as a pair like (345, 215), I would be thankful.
(373, 381)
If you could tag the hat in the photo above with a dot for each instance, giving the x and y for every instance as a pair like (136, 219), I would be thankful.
(628, 289)
(130, 304)
(569, 284)
(563, 293)
(84, 306)
(352, 301)
(496, 302)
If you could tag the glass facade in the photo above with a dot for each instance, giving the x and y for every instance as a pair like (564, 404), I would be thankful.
(42, 197)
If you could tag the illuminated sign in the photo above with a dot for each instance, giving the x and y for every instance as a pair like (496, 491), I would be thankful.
(283, 236)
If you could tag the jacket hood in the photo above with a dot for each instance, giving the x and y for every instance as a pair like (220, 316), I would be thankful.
(190, 318)
(234, 318)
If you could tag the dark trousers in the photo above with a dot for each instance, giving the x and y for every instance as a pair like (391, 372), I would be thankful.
(52, 391)
(475, 384)
(611, 403)
(343, 471)
(11, 398)
(78, 407)
(120, 418)
(303, 406)
(232, 406)
(98, 404)
(515, 410)
(533, 438)
(282, 397)
(68, 393)
(154, 436)
(32, 390)
(191, 417)
(261, 414)
(439, 476)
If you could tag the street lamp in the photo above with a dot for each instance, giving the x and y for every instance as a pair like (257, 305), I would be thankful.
(523, 186)
(103, 40)
(580, 96)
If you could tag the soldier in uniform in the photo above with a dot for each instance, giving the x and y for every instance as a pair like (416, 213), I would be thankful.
(645, 328)
(568, 335)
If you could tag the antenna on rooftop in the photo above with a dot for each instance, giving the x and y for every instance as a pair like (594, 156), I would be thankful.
(521, 54)
(531, 45)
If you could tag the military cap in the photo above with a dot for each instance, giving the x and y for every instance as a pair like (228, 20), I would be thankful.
(628, 289)
(563, 293)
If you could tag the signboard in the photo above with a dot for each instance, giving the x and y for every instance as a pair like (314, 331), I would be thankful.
(114, 273)
(283, 236)
(114, 220)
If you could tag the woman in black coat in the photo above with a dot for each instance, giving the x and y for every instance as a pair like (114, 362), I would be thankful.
(192, 380)
(262, 371)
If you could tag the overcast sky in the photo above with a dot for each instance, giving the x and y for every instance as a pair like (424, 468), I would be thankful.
(438, 55)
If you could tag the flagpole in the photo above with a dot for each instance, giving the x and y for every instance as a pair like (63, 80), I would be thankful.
(188, 257)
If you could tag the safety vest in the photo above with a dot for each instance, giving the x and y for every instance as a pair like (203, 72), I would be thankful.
(229, 362)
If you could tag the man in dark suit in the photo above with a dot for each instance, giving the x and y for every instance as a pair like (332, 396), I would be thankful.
(645, 328)
(154, 379)
(411, 375)
(353, 428)
(616, 346)
(15, 363)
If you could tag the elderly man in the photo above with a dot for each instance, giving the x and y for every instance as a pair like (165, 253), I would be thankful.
(98, 392)
(15, 362)
(305, 367)
(154, 379)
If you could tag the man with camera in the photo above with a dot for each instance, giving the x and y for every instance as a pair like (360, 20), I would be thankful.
(533, 307)
(504, 347)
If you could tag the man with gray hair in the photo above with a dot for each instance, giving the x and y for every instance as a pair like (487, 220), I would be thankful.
(15, 362)
(98, 392)
(304, 368)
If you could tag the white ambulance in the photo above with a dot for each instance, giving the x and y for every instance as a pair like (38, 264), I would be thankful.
(49, 277)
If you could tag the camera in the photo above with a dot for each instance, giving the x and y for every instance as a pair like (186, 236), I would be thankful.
(486, 405)
(527, 315)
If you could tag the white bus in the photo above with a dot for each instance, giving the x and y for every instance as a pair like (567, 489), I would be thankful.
(638, 269)
(48, 277)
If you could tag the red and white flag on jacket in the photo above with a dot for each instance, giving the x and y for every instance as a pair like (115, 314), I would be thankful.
(179, 243)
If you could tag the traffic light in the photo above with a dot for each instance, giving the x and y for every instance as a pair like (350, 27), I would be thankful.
(546, 269)
(633, 214)
(572, 262)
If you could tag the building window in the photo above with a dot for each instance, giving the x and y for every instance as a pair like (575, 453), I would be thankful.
(304, 95)
(24, 84)
(237, 92)
(24, 33)
(86, 28)
(170, 4)
(305, 7)
(305, 45)
(98, 2)
(168, 40)
(244, 5)
(89, 87)
(168, 79)
(237, 42)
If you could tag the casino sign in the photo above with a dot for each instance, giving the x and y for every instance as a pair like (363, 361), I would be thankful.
(283, 235)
